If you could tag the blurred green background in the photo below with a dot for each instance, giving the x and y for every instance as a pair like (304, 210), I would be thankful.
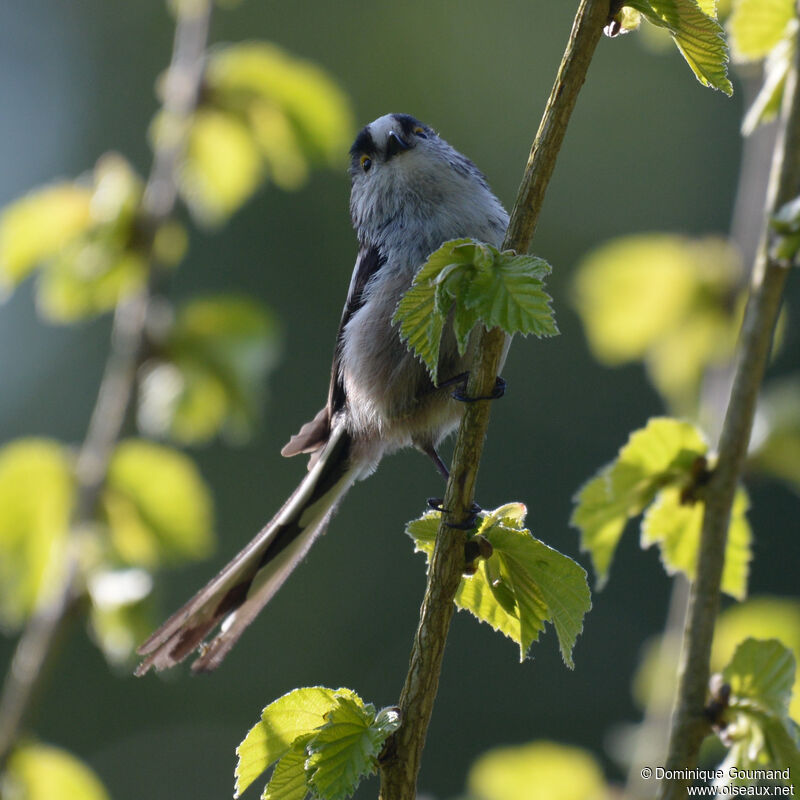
(648, 149)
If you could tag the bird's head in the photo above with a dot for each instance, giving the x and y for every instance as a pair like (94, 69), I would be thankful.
(405, 177)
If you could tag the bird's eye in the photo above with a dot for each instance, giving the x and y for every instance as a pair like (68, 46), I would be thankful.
(366, 163)
(420, 131)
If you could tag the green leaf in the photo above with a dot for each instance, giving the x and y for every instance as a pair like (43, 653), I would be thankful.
(761, 676)
(265, 114)
(120, 616)
(346, 748)
(210, 374)
(423, 309)
(787, 218)
(509, 295)
(498, 289)
(36, 498)
(785, 242)
(88, 278)
(547, 586)
(663, 299)
(222, 167)
(91, 274)
(665, 449)
(676, 527)
(698, 36)
(283, 721)
(758, 741)
(767, 104)
(82, 239)
(757, 26)
(759, 617)
(762, 618)
(288, 781)
(775, 449)
(36, 227)
(157, 505)
(709, 8)
(537, 771)
(601, 519)
(522, 585)
(312, 111)
(43, 772)
(624, 21)
(661, 453)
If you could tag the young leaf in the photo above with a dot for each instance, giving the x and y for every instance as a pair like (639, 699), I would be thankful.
(698, 36)
(120, 616)
(36, 227)
(346, 748)
(264, 114)
(43, 772)
(283, 722)
(423, 309)
(502, 290)
(210, 371)
(509, 295)
(661, 453)
(767, 104)
(601, 520)
(761, 618)
(259, 76)
(537, 771)
(547, 585)
(157, 506)
(522, 585)
(756, 26)
(36, 497)
(222, 167)
(761, 676)
(663, 299)
(777, 451)
(89, 277)
(81, 238)
(288, 780)
(676, 526)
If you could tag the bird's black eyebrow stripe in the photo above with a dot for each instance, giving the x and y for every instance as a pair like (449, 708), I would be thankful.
(364, 143)
(408, 123)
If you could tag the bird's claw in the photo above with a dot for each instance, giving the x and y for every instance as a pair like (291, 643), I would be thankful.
(497, 392)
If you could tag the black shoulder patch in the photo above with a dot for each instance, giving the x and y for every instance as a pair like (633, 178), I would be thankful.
(370, 260)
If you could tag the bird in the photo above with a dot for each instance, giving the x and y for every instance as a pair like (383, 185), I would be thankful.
(410, 192)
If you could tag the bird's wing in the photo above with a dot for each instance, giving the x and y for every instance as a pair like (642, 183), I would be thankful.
(313, 435)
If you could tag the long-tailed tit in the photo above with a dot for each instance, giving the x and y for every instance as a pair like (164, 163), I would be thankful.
(411, 192)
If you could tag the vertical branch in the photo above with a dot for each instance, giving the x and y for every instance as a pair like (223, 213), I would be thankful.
(400, 766)
(181, 94)
(689, 725)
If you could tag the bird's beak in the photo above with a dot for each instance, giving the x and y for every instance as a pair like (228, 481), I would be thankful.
(395, 144)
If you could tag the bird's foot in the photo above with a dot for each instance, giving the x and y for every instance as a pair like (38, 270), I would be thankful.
(460, 392)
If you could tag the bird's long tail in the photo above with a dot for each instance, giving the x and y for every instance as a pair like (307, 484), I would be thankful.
(236, 595)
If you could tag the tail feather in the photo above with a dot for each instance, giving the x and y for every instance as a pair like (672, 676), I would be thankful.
(242, 588)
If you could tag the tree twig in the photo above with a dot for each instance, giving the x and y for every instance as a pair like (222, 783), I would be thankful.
(400, 767)
(180, 97)
(689, 726)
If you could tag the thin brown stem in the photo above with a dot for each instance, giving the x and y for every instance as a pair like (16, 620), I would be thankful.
(37, 642)
(401, 765)
(689, 725)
